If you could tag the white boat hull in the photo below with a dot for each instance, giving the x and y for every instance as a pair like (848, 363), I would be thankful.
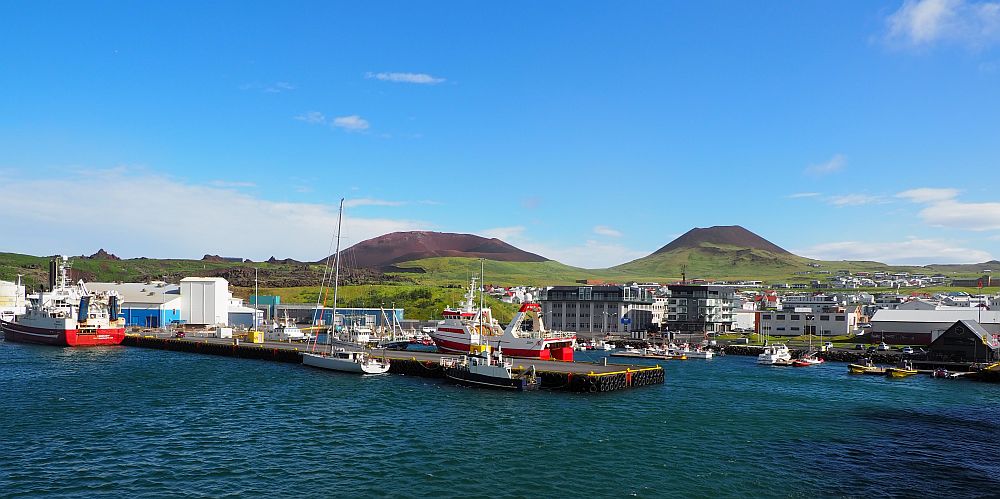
(344, 365)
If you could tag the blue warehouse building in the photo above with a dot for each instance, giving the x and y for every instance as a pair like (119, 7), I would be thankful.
(372, 317)
(153, 304)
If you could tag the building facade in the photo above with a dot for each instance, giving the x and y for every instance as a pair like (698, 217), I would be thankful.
(597, 310)
(696, 308)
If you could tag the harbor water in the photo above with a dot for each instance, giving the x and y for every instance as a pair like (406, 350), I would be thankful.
(119, 421)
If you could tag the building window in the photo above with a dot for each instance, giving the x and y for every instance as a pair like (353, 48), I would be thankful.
(824, 317)
(796, 317)
(767, 317)
(841, 318)
(781, 317)
(794, 328)
(781, 329)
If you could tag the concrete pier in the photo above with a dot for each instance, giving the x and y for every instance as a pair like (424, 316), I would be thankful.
(569, 376)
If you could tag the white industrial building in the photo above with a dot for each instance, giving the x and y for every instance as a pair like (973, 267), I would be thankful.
(12, 300)
(205, 300)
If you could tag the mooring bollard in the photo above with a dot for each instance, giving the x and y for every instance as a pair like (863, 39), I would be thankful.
(605, 361)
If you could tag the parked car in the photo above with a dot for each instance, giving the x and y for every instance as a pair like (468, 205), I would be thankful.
(859, 346)
(179, 334)
(908, 350)
(882, 347)
(828, 345)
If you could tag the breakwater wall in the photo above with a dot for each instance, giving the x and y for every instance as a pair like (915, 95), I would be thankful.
(244, 351)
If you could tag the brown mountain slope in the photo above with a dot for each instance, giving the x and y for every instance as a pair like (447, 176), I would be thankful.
(730, 235)
(384, 251)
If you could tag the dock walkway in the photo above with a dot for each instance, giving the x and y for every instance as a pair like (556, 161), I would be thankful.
(557, 375)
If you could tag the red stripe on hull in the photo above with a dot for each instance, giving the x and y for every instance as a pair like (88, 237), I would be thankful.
(454, 346)
(61, 337)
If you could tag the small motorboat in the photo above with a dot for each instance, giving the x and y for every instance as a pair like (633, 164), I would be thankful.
(903, 370)
(940, 373)
(775, 355)
(808, 360)
(866, 367)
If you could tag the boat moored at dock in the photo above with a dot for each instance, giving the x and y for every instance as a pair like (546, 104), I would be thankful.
(776, 354)
(68, 315)
(347, 361)
(482, 367)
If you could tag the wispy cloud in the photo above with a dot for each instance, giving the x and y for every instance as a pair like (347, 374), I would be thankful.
(833, 165)
(352, 123)
(40, 226)
(798, 195)
(232, 183)
(313, 117)
(928, 194)
(943, 210)
(925, 22)
(418, 78)
(604, 230)
(913, 251)
(855, 200)
(351, 203)
(271, 88)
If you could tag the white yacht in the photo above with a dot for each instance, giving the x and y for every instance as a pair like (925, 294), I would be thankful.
(776, 354)
(347, 361)
(286, 330)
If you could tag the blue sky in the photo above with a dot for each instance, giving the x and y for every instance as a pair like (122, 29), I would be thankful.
(592, 133)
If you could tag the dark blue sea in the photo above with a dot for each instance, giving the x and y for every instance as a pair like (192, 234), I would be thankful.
(132, 422)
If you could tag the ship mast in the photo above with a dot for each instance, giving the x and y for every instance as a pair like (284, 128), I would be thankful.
(336, 274)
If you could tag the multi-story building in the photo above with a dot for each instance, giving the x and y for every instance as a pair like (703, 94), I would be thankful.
(700, 308)
(831, 321)
(597, 310)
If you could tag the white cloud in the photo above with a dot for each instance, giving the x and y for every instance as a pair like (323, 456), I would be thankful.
(943, 210)
(798, 195)
(854, 200)
(504, 234)
(912, 251)
(352, 122)
(171, 219)
(603, 230)
(923, 22)
(232, 183)
(957, 215)
(314, 117)
(351, 203)
(833, 165)
(928, 194)
(419, 78)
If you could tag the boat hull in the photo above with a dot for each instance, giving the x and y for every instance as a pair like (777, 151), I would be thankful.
(861, 369)
(462, 346)
(343, 365)
(466, 378)
(62, 337)
(895, 372)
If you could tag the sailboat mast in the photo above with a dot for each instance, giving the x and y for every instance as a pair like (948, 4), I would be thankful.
(336, 273)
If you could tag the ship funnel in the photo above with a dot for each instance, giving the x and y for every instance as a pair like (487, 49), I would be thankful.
(84, 309)
(113, 308)
(53, 272)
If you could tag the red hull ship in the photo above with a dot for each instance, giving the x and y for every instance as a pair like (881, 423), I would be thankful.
(68, 316)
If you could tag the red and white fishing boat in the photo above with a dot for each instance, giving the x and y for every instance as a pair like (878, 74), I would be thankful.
(470, 325)
(69, 315)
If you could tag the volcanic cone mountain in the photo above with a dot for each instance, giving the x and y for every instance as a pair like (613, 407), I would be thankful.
(384, 251)
(717, 251)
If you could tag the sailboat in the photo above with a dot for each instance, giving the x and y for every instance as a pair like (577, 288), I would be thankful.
(342, 359)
